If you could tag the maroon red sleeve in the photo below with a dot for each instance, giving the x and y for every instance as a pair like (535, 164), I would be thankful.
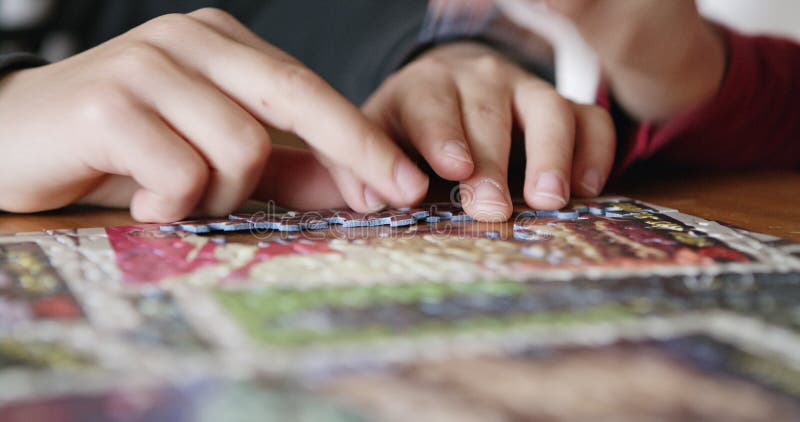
(752, 122)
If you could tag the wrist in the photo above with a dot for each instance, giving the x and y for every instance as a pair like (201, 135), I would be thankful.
(675, 75)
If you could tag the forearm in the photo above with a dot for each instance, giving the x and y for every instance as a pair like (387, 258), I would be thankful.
(752, 121)
(660, 58)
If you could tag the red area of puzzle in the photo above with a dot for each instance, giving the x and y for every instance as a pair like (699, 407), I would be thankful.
(56, 307)
(146, 255)
(580, 239)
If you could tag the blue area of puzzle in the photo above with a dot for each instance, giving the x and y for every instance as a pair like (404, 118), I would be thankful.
(292, 221)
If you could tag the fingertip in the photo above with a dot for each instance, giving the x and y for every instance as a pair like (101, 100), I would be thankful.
(589, 184)
(372, 200)
(487, 201)
(149, 207)
(357, 196)
(547, 191)
(411, 181)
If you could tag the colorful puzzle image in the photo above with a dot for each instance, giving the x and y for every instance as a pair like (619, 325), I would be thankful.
(610, 309)
(30, 288)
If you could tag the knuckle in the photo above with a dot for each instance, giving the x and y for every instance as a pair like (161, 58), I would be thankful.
(414, 101)
(104, 103)
(369, 143)
(188, 180)
(214, 14)
(167, 27)
(489, 65)
(139, 58)
(438, 100)
(430, 65)
(440, 130)
(491, 113)
(489, 168)
(298, 79)
(253, 149)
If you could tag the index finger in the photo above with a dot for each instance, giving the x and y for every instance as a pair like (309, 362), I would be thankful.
(288, 96)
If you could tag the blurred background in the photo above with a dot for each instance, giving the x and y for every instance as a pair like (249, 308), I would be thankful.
(577, 69)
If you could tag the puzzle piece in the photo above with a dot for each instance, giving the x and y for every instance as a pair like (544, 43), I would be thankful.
(568, 213)
(289, 224)
(417, 213)
(594, 208)
(292, 221)
(460, 215)
(333, 216)
(577, 209)
(617, 213)
(241, 216)
(197, 226)
(351, 220)
(231, 225)
(493, 235)
(446, 211)
(313, 224)
(392, 219)
(440, 211)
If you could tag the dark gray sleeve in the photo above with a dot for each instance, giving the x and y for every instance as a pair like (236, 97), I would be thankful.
(357, 44)
(354, 44)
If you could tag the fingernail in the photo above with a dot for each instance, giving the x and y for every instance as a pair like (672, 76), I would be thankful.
(591, 182)
(373, 200)
(551, 186)
(412, 182)
(456, 150)
(491, 201)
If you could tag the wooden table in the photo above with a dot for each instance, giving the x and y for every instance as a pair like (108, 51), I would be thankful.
(766, 201)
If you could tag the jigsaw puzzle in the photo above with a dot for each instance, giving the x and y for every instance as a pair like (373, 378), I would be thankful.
(610, 309)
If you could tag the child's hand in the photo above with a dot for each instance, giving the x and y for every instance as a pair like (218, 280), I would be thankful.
(661, 58)
(169, 118)
(456, 105)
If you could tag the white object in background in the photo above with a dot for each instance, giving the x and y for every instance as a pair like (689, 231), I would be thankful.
(577, 67)
(778, 17)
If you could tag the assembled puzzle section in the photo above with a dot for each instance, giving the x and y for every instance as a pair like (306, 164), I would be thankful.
(406, 312)
(608, 237)
(31, 288)
(293, 221)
